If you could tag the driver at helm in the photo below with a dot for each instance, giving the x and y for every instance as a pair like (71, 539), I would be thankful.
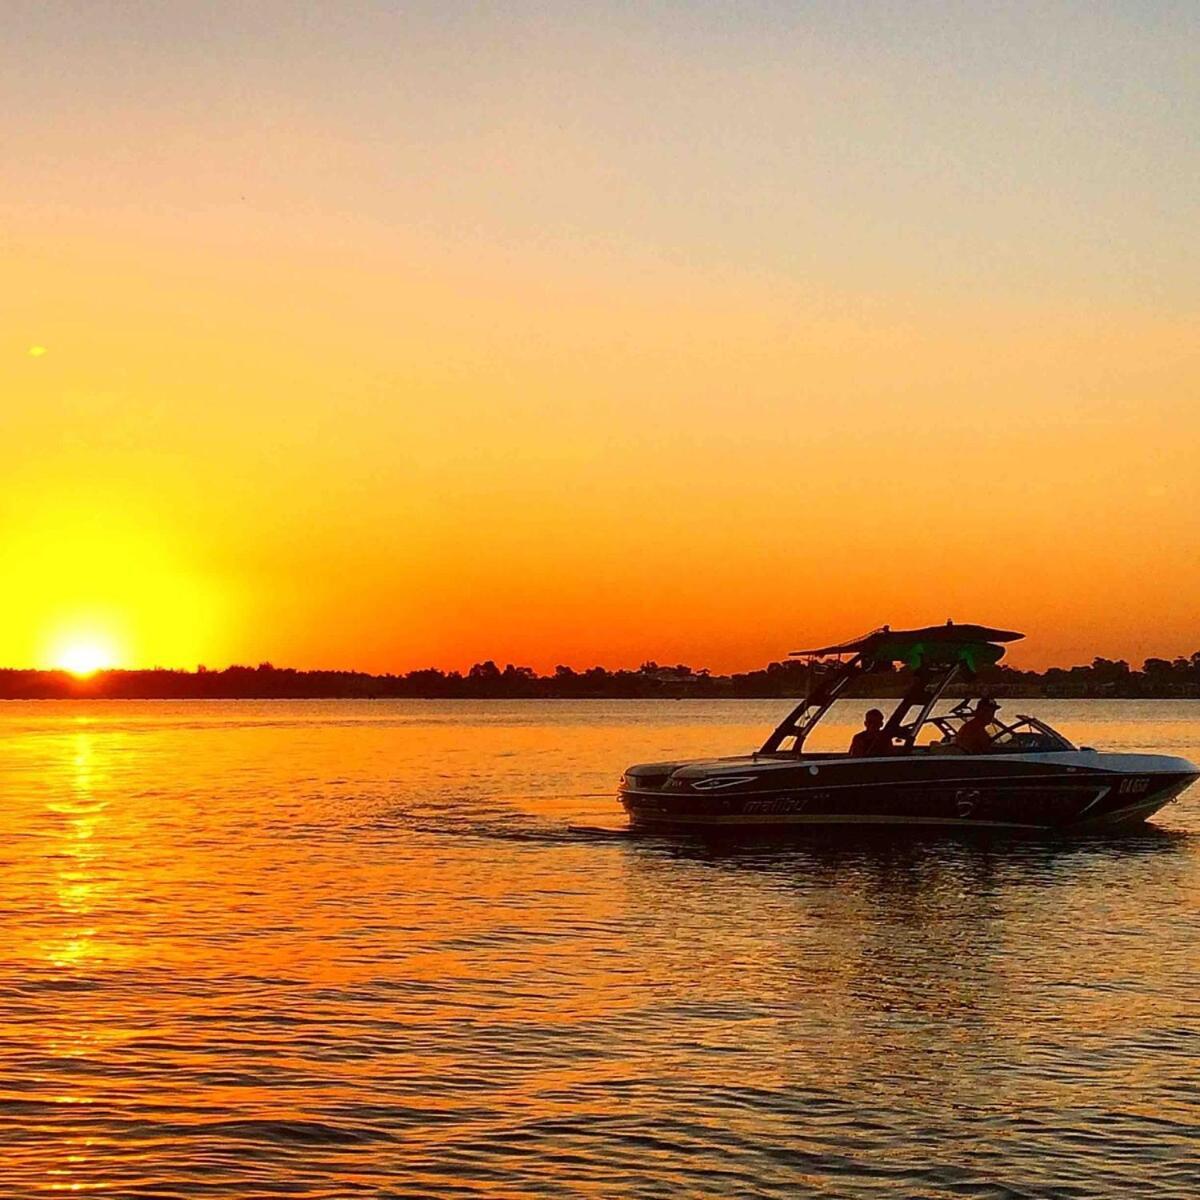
(973, 736)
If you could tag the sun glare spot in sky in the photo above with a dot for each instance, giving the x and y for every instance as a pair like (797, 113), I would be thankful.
(36, 351)
(85, 656)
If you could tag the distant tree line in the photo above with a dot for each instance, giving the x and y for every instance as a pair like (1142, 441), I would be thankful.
(1158, 678)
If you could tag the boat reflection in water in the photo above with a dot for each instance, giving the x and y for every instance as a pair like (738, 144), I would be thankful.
(972, 771)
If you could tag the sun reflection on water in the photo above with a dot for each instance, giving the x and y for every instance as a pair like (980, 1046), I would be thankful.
(78, 855)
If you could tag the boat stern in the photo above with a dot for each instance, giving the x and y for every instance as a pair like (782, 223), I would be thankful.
(685, 794)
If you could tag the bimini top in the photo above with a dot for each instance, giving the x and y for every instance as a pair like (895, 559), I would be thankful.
(935, 645)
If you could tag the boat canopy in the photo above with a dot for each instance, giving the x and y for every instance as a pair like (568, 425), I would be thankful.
(935, 654)
(934, 646)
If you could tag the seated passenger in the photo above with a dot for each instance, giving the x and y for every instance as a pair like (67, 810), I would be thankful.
(973, 735)
(871, 741)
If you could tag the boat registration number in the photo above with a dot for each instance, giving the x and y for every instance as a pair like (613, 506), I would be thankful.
(1133, 787)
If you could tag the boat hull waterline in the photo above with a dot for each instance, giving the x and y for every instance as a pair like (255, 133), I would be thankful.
(1076, 791)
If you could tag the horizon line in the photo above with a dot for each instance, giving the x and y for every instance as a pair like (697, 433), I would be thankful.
(645, 667)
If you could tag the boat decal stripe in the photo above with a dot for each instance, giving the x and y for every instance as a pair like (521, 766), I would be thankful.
(914, 782)
(1104, 791)
(827, 819)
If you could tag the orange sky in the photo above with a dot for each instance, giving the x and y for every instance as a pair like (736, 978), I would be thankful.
(382, 339)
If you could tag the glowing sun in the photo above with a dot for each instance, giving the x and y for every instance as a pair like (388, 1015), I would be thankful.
(85, 657)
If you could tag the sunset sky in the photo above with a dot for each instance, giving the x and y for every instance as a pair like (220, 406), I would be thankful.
(388, 335)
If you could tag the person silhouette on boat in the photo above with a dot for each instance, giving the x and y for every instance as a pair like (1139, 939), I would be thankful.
(973, 735)
(871, 741)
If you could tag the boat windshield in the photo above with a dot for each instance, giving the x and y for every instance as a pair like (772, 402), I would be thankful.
(1024, 735)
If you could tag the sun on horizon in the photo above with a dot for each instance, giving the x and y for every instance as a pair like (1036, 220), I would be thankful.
(85, 656)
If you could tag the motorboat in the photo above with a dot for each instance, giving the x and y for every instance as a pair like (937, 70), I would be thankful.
(918, 769)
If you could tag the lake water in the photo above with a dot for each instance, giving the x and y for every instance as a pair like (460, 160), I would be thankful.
(340, 949)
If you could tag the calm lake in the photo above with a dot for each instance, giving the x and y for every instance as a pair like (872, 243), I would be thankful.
(339, 949)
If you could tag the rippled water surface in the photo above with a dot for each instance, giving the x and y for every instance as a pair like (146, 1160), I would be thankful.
(338, 949)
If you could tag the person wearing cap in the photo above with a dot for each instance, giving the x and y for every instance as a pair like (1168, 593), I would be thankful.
(870, 741)
(973, 735)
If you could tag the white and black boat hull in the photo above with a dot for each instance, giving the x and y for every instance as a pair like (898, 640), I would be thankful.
(1073, 791)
